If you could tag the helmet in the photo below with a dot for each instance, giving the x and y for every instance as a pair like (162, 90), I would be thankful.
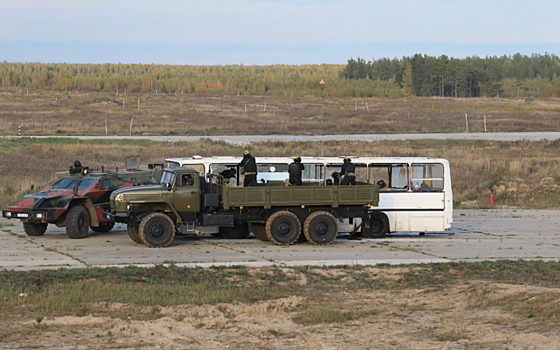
(77, 163)
(246, 152)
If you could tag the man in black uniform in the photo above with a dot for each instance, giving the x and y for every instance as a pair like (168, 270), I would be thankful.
(229, 174)
(249, 169)
(76, 168)
(349, 171)
(295, 170)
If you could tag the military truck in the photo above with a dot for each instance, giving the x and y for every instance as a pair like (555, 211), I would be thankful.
(77, 200)
(185, 203)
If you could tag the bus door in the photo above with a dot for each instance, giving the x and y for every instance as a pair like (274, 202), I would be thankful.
(394, 197)
(427, 197)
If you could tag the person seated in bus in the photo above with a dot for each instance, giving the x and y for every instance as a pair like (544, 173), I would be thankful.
(381, 184)
(349, 171)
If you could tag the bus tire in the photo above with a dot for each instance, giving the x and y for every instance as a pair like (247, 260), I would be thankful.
(320, 228)
(156, 230)
(34, 229)
(283, 228)
(77, 222)
(378, 226)
(238, 231)
(133, 233)
(259, 230)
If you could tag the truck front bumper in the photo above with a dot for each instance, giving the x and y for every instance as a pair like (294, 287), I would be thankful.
(116, 217)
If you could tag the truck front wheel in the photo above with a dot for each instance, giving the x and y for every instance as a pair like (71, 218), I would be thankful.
(34, 229)
(77, 222)
(283, 228)
(320, 228)
(156, 230)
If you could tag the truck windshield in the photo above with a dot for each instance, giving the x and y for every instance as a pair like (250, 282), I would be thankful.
(167, 178)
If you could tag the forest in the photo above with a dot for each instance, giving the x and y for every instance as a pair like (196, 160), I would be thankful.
(420, 75)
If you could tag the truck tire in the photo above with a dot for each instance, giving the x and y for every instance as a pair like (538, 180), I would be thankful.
(103, 227)
(156, 230)
(259, 230)
(283, 228)
(77, 222)
(378, 226)
(133, 233)
(34, 229)
(320, 228)
(238, 231)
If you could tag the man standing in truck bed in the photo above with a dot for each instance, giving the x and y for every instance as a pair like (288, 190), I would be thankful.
(248, 167)
(295, 170)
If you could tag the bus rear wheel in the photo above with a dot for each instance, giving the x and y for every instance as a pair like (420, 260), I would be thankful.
(320, 228)
(283, 228)
(378, 226)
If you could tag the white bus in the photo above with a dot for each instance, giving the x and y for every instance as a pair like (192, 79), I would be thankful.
(415, 193)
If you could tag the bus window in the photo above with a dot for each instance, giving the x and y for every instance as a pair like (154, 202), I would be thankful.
(361, 172)
(312, 172)
(277, 172)
(172, 165)
(389, 176)
(426, 177)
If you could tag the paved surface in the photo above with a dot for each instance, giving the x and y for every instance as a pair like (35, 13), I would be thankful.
(476, 235)
(245, 139)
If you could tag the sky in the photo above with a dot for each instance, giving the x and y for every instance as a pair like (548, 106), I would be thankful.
(271, 31)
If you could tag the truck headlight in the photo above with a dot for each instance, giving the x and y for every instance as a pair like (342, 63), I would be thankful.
(119, 197)
(40, 215)
(8, 214)
(128, 206)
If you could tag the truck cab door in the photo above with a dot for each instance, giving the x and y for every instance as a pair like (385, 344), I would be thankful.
(186, 196)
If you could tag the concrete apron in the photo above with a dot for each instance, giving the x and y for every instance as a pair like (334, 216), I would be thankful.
(476, 235)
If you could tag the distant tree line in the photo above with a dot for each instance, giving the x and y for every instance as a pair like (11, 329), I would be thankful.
(422, 75)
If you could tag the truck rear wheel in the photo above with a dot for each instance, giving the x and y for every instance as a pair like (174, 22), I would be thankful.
(34, 228)
(320, 228)
(259, 230)
(239, 231)
(378, 226)
(77, 222)
(283, 228)
(103, 227)
(133, 233)
(156, 230)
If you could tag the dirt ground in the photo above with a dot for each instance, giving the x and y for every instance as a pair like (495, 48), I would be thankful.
(469, 315)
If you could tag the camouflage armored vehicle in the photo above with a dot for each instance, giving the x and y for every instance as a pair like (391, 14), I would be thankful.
(77, 200)
(184, 203)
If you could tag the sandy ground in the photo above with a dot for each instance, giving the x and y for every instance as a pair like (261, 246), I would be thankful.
(456, 317)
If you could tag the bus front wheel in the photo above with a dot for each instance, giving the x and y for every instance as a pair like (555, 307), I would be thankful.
(378, 226)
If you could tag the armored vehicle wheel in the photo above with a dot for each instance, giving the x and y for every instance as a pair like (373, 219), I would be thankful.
(283, 228)
(156, 230)
(259, 230)
(34, 229)
(133, 233)
(320, 228)
(239, 231)
(378, 226)
(103, 227)
(77, 222)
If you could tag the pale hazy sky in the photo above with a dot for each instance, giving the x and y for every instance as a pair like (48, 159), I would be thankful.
(271, 31)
